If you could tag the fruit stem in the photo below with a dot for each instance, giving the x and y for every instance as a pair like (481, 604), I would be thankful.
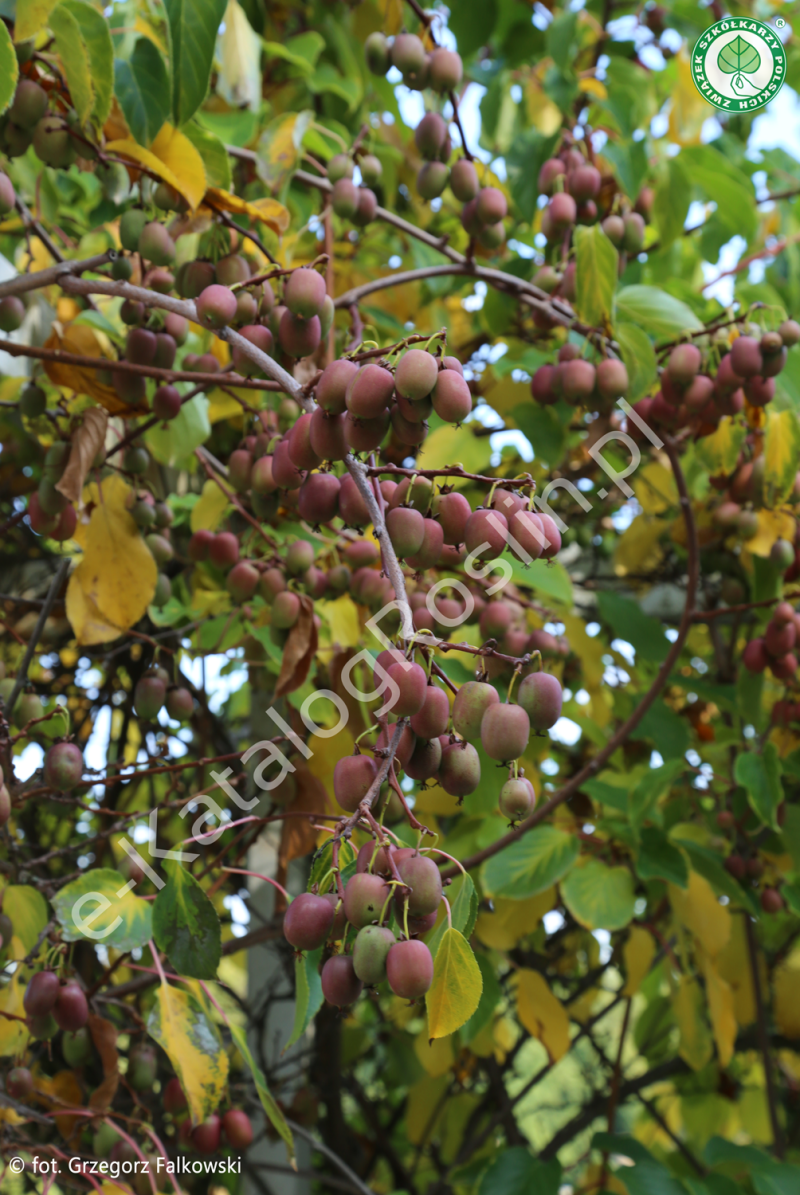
(517, 673)
(243, 872)
(392, 886)
(449, 914)
(405, 920)
(437, 851)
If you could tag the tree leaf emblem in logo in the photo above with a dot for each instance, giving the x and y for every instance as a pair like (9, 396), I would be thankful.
(739, 58)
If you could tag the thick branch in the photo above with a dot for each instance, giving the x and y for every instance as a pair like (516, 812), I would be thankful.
(391, 564)
(594, 765)
(27, 282)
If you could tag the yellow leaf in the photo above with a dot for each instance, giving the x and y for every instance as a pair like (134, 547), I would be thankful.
(324, 757)
(341, 616)
(209, 510)
(699, 910)
(425, 1107)
(436, 1056)
(689, 110)
(223, 406)
(542, 1013)
(457, 985)
(781, 451)
(655, 488)
(180, 1025)
(513, 919)
(32, 18)
(772, 525)
(593, 87)
(146, 29)
(13, 1034)
(695, 1039)
(637, 953)
(67, 1091)
(266, 209)
(639, 548)
(720, 1007)
(85, 342)
(542, 111)
(785, 1005)
(116, 578)
(733, 964)
(598, 1178)
(393, 19)
(507, 394)
(175, 150)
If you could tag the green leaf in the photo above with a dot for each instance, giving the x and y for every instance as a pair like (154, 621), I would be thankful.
(650, 789)
(599, 897)
(449, 445)
(560, 37)
(142, 88)
(193, 26)
(671, 201)
(308, 992)
(175, 443)
(781, 456)
(656, 311)
(596, 264)
(186, 926)
(214, 154)
(530, 864)
(472, 24)
(463, 912)
(9, 68)
(27, 909)
(646, 1176)
(302, 51)
(546, 577)
(97, 39)
(629, 622)
(526, 154)
(515, 1172)
(760, 775)
(720, 181)
(98, 906)
(658, 859)
(326, 78)
(544, 430)
(667, 731)
(74, 58)
(268, 1101)
(457, 984)
(708, 864)
(639, 357)
(629, 159)
(739, 56)
(31, 17)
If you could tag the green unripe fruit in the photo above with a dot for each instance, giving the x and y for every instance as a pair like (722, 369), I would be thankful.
(142, 1067)
(156, 245)
(52, 143)
(540, 697)
(160, 547)
(167, 198)
(430, 136)
(782, 555)
(371, 169)
(131, 226)
(326, 317)
(29, 105)
(340, 166)
(137, 460)
(231, 270)
(12, 313)
(370, 949)
(114, 180)
(122, 269)
(148, 697)
(634, 233)
(408, 54)
(345, 198)
(28, 707)
(56, 458)
(44, 1027)
(32, 402)
(76, 1047)
(144, 514)
(16, 140)
(51, 501)
(464, 180)
(517, 799)
(104, 1140)
(432, 180)
(194, 277)
(789, 332)
(471, 703)
(377, 54)
(163, 591)
(63, 767)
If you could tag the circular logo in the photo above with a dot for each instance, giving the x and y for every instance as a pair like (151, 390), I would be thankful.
(739, 64)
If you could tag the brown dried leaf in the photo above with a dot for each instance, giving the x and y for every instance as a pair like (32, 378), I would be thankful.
(298, 837)
(104, 1036)
(86, 443)
(301, 647)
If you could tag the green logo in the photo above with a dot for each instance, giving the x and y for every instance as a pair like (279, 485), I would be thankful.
(739, 64)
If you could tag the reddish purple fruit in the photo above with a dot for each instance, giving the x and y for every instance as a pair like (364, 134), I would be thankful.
(41, 994)
(486, 534)
(332, 386)
(340, 984)
(308, 921)
(416, 374)
(19, 1082)
(216, 307)
(206, 1136)
(431, 720)
(352, 778)
(409, 969)
(305, 293)
(460, 769)
(223, 551)
(261, 338)
(452, 399)
(452, 510)
(364, 898)
(369, 391)
(166, 402)
(71, 1009)
(421, 875)
(237, 1128)
(318, 498)
(505, 730)
(411, 682)
(471, 703)
(406, 529)
(242, 581)
(540, 696)
(63, 767)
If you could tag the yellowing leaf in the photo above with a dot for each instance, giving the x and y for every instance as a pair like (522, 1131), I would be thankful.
(74, 60)
(324, 757)
(66, 1089)
(85, 341)
(182, 1028)
(637, 953)
(781, 454)
(457, 985)
(733, 964)
(266, 209)
(223, 406)
(13, 1034)
(436, 1056)
(279, 146)
(593, 87)
(175, 150)
(513, 919)
(639, 549)
(32, 17)
(117, 576)
(148, 160)
(449, 445)
(695, 1039)
(341, 617)
(655, 488)
(208, 511)
(720, 1007)
(542, 1013)
(785, 1004)
(772, 525)
(425, 1108)
(699, 910)
(719, 452)
(689, 110)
